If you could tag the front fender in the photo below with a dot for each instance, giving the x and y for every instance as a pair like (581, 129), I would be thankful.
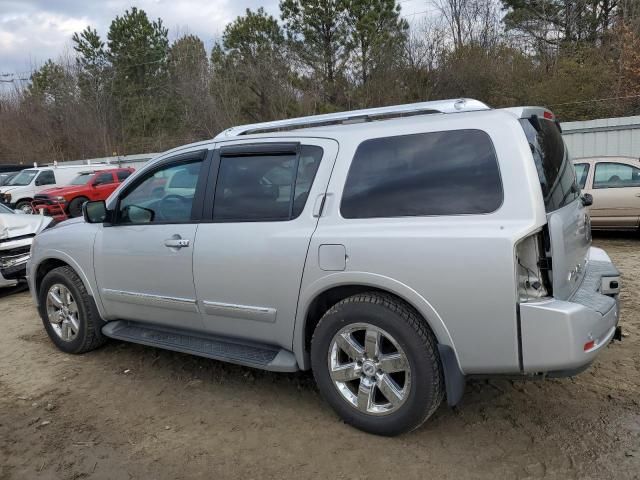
(51, 254)
(337, 279)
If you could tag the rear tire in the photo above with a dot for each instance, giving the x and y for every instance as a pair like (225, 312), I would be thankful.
(389, 392)
(75, 206)
(69, 313)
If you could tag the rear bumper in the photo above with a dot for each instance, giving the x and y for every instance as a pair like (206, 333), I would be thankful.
(559, 335)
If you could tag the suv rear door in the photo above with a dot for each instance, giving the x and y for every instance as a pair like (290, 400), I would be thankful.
(250, 254)
(567, 217)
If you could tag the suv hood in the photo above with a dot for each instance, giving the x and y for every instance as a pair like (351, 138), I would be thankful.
(11, 188)
(18, 225)
(62, 191)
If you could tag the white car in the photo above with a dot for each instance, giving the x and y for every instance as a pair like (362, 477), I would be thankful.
(16, 235)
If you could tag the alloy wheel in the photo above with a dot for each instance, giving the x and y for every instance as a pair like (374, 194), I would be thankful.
(369, 369)
(62, 312)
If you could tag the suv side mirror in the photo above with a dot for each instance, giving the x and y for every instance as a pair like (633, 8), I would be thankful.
(95, 212)
(587, 199)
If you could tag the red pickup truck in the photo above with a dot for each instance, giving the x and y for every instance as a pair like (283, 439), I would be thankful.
(63, 202)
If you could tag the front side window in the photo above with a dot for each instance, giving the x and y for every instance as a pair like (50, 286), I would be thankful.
(439, 173)
(615, 175)
(25, 177)
(259, 187)
(46, 177)
(582, 171)
(157, 199)
(82, 179)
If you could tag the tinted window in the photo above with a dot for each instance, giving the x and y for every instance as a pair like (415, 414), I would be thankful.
(152, 200)
(582, 170)
(104, 178)
(442, 173)
(259, 187)
(123, 174)
(46, 177)
(615, 175)
(555, 172)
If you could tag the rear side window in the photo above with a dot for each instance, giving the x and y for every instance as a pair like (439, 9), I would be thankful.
(104, 179)
(555, 171)
(582, 171)
(615, 175)
(440, 173)
(122, 175)
(259, 187)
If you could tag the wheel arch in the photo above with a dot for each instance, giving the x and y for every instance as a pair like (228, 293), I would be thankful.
(321, 295)
(54, 260)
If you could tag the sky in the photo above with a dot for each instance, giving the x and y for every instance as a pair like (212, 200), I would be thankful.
(32, 31)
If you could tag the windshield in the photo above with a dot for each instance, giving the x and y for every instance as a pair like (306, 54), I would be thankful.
(23, 178)
(4, 209)
(555, 171)
(82, 179)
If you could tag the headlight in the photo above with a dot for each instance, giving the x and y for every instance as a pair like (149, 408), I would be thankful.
(59, 199)
(7, 197)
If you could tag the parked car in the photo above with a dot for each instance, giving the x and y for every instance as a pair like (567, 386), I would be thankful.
(59, 202)
(22, 188)
(614, 184)
(394, 251)
(16, 235)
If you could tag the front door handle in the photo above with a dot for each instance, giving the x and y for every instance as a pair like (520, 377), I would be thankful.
(176, 242)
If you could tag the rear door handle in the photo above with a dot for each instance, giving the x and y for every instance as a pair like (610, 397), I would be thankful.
(176, 242)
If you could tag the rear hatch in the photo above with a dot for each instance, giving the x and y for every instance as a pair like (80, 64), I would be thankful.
(568, 232)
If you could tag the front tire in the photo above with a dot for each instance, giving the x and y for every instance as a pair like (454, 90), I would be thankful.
(24, 206)
(68, 312)
(376, 363)
(75, 206)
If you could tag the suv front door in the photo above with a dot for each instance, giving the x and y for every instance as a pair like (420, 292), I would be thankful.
(143, 261)
(249, 256)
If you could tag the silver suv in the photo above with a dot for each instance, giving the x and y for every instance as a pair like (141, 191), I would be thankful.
(395, 252)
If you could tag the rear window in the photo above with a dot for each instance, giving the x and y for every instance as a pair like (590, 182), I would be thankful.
(440, 173)
(555, 171)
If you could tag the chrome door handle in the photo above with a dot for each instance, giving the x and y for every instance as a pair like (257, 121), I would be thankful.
(176, 242)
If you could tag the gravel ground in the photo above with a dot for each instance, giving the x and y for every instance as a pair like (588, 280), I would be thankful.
(128, 411)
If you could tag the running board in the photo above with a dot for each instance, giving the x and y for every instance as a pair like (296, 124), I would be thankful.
(254, 355)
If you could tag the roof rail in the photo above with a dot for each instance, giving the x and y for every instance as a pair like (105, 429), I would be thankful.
(357, 116)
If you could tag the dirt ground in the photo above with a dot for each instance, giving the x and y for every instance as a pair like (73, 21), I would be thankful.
(128, 411)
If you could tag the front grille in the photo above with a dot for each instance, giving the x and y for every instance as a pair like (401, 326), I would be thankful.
(13, 239)
(12, 252)
(42, 200)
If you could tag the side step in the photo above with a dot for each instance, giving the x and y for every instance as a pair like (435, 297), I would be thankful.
(255, 355)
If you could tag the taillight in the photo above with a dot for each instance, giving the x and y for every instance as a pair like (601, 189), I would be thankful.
(530, 257)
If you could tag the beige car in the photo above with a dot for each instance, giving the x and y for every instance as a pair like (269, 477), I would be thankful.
(614, 183)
